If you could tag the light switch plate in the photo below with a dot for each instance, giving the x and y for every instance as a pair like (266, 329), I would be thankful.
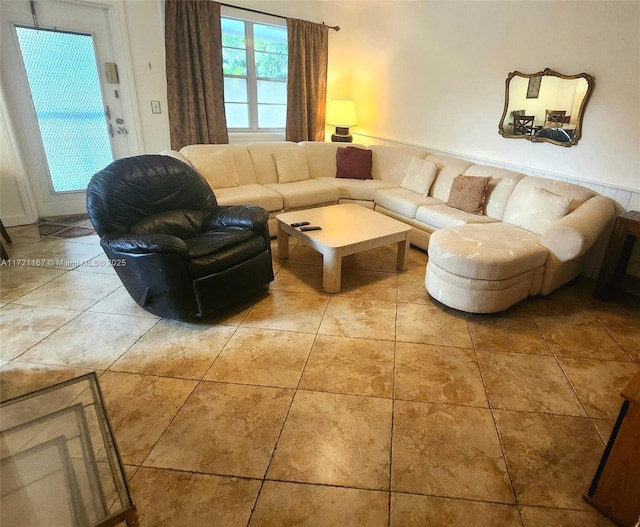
(155, 107)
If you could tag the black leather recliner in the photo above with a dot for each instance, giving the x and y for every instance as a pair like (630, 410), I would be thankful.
(178, 253)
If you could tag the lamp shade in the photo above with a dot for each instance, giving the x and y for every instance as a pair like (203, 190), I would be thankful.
(342, 112)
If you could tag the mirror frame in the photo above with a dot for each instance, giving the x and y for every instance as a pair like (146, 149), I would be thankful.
(547, 72)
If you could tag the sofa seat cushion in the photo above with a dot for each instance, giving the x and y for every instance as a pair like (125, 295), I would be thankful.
(494, 251)
(222, 249)
(301, 194)
(439, 216)
(250, 194)
(403, 201)
(359, 189)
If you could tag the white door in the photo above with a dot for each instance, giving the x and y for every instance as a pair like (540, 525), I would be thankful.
(65, 97)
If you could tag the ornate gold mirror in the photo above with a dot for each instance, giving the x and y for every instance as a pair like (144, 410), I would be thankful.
(545, 106)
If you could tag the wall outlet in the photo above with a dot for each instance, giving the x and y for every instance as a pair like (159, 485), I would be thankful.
(155, 107)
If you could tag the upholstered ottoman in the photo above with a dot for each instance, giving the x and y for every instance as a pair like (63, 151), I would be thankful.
(484, 268)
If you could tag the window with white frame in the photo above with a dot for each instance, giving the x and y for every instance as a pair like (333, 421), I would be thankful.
(255, 60)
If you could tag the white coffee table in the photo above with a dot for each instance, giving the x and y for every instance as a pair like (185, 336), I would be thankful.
(346, 229)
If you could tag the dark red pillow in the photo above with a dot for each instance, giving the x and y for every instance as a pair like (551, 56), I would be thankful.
(354, 163)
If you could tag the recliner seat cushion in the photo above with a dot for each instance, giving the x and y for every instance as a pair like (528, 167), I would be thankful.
(180, 223)
(234, 252)
(218, 240)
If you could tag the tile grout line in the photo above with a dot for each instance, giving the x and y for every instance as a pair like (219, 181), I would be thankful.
(284, 421)
(495, 425)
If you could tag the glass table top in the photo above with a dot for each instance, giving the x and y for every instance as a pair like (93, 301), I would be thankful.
(59, 462)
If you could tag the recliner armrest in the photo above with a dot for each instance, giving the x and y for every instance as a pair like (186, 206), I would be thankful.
(144, 243)
(244, 216)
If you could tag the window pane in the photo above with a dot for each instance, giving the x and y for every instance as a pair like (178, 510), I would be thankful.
(272, 115)
(233, 33)
(65, 88)
(237, 115)
(234, 61)
(271, 65)
(272, 92)
(235, 90)
(270, 38)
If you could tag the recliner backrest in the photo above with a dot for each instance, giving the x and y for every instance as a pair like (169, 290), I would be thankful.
(131, 189)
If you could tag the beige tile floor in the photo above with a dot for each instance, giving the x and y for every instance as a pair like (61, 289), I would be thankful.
(374, 406)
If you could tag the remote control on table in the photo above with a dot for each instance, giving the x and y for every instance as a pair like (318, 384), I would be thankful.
(311, 228)
(299, 224)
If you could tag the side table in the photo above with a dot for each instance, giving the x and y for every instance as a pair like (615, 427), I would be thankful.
(59, 463)
(615, 490)
(612, 274)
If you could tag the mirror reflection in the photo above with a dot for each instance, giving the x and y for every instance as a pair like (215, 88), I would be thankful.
(545, 106)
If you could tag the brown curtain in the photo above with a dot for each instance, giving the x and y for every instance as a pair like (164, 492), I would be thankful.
(195, 85)
(307, 80)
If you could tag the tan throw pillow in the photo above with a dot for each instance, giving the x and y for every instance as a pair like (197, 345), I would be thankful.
(468, 193)
(291, 164)
(420, 176)
(218, 169)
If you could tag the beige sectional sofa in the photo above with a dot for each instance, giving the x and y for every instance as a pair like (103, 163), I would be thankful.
(534, 234)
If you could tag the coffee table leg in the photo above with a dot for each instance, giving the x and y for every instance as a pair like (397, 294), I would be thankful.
(403, 254)
(283, 243)
(331, 272)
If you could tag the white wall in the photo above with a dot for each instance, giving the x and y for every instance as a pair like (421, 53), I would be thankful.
(145, 30)
(433, 74)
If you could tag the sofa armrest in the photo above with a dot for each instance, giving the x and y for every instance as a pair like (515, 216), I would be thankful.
(144, 243)
(244, 216)
(572, 235)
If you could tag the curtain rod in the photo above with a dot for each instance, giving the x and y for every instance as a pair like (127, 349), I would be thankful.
(335, 28)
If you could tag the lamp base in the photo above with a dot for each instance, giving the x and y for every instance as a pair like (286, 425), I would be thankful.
(342, 135)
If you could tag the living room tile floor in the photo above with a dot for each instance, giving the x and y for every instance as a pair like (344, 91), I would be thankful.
(374, 406)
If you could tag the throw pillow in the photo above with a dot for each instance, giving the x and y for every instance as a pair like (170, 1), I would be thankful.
(420, 176)
(541, 209)
(468, 193)
(354, 163)
(217, 168)
(291, 164)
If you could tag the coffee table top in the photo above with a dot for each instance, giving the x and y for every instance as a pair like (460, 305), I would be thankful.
(345, 224)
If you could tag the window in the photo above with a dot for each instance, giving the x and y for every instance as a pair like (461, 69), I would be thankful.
(254, 61)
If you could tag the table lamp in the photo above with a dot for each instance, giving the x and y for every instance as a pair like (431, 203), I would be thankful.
(342, 114)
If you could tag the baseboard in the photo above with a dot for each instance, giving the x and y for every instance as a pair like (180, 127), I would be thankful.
(17, 219)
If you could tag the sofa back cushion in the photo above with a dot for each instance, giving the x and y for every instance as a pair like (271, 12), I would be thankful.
(218, 169)
(448, 169)
(391, 163)
(538, 202)
(291, 164)
(500, 188)
(199, 155)
(176, 155)
(321, 157)
(420, 176)
(264, 162)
